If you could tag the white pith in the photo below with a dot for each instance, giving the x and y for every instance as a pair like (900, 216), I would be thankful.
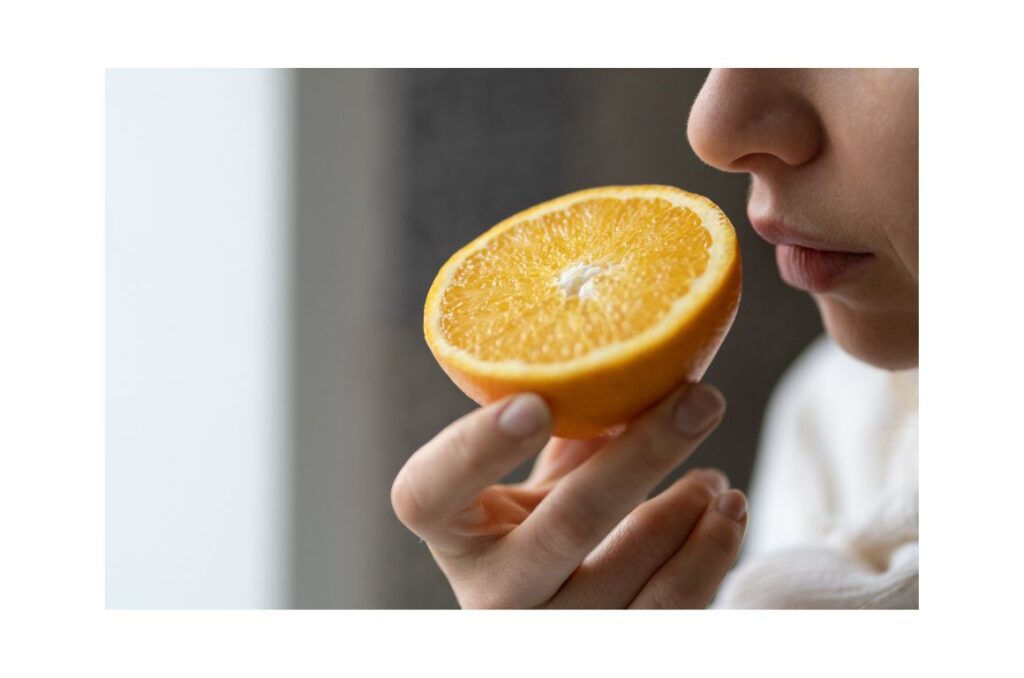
(578, 280)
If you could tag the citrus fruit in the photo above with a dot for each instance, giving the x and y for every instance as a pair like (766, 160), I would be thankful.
(601, 301)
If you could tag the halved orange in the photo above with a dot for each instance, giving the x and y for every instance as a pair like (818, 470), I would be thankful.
(601, 301)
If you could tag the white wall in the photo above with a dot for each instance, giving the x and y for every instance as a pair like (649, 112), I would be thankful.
(196, 265)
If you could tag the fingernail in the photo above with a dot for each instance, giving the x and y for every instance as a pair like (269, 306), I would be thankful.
(524, 416)
(732, 505)
(698, 409)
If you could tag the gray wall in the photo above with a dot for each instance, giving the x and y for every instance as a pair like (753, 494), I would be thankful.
(342, 231)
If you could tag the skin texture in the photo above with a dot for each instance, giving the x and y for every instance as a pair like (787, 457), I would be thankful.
(834, 155)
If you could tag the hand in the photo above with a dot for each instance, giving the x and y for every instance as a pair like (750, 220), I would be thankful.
(580, 531)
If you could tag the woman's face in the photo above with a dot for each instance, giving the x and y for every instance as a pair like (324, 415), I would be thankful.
(832, 156)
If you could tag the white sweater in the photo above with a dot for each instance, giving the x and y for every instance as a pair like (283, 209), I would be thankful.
(833, 503)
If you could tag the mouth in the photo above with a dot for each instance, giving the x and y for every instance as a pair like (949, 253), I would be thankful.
(808, 263)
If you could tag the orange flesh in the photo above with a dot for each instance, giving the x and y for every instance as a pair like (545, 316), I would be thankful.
(561, 285)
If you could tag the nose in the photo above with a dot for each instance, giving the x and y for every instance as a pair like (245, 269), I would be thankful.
(745, 120)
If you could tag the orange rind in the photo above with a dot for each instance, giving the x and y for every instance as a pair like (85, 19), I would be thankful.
(600, 301)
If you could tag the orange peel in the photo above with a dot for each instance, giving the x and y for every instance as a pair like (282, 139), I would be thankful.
(601, 301)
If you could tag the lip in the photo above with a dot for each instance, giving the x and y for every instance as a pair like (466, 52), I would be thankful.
(808, 263)
(816, 270)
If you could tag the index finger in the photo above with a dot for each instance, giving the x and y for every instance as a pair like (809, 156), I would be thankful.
(451, 470)
(591, 500)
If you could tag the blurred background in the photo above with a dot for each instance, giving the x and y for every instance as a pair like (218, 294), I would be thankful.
(271, 236)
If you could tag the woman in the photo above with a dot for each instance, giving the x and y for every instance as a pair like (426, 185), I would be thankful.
(832, 157)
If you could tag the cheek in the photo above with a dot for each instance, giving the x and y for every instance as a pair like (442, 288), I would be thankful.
(895, 182)
(904, 237)
(874, 139)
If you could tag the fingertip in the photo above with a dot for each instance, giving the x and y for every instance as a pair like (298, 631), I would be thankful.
(699, 408)
(713, 478)
(523, 416)
(732, 505)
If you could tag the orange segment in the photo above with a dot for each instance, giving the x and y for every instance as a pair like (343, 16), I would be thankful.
(601, 301)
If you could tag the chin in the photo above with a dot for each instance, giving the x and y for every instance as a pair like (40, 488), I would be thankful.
(883, 338)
